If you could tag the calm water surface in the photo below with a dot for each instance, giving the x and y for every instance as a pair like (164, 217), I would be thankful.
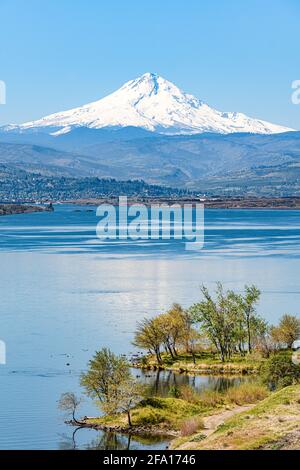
(65, 294)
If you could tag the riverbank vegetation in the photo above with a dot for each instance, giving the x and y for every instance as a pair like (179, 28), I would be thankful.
(221, 333)
(183, 409)
(271, 424)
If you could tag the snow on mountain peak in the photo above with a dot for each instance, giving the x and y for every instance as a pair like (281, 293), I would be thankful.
(155, 104)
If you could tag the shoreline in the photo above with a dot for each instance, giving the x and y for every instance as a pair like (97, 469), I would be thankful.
(205, 364)
(15, 209)
(229, 370)
(282, 203)
(240, 203)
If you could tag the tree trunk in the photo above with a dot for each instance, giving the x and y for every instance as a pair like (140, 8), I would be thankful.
(74, 419)
(222, 354)
(194, 358)
(170, 351)
(158, 356)
(249, 335)
(129, 418)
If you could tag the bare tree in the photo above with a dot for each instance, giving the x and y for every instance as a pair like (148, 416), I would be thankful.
(69, 402)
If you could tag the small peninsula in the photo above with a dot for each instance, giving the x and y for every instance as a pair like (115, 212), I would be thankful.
(12, 209)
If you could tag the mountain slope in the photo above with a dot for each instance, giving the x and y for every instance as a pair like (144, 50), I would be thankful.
(214, 163)
(50, 161)
(155, 104)
(20, 185)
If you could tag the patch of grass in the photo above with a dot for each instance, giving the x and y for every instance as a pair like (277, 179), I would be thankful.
(148, 416)
(198, 438)
(212, 398)
(246, 393)
(167, 411)
(262, 426)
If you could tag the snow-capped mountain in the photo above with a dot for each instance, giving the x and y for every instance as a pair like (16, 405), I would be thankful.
(155, 104)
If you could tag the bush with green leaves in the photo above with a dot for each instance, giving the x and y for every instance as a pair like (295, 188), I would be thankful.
(279, 371)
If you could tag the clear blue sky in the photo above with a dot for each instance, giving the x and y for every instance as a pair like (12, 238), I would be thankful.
(237, 55)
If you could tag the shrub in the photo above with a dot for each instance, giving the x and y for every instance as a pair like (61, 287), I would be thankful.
(191, 426)
(148, 416)
(246, 393)
(279, 371)
(154, 402)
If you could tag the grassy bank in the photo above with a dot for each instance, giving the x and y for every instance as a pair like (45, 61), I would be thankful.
(204, 363)
(273, 423)
(179, 416)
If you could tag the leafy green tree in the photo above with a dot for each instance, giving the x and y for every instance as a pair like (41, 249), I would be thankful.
(106, 373)
(288, 330)
(247, 304)
(217, 319)
(128, 394)
(164, 323)
(109, 381)
(179, 325)
(150, 336)
(176, 327)
(229, 320)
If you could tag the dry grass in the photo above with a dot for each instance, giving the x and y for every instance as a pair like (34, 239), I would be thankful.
(191, 426)
(211, 398)
(246, 393)
(240, 394)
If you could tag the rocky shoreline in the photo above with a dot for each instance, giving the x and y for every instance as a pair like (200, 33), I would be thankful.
(12, 209)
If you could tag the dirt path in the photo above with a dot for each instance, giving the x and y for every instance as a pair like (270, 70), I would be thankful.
(211, 423)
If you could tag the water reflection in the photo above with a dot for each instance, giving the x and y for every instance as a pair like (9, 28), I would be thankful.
(110, 441)
(161, 381)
